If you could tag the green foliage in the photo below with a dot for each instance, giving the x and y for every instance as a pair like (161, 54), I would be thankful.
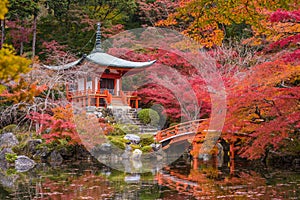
(149, 116)
(238, 31)
(9, 128)
(146, 139)
(119, 11)
(118, 143)
(72, 23)
(146, 149)
(11, 171)
(123, 129)
(21, 9)
(11, 157)
(135, 146)
(20, 148)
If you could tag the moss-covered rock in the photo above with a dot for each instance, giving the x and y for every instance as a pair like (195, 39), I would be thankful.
(123, 129)
(146, 149)
(146, 139)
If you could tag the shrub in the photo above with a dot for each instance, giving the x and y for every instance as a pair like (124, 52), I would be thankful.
(146, 149)
(118, 143)
(146, 139)
(149, 116)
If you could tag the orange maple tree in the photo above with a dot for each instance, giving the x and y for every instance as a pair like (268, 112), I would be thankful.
(264, 106)
(206, 21)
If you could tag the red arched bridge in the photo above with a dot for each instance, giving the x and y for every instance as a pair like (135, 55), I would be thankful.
(181, 132)
(193, 131)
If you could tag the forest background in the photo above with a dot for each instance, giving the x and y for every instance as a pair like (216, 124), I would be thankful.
(255, 45)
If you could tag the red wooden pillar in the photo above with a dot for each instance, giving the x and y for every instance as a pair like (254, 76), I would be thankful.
(84, 101)
(97, 101)
(115, 86)
(136, 103)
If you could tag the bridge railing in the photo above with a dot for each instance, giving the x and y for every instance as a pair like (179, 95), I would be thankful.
(186, 127)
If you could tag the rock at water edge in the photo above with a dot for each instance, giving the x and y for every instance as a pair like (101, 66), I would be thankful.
(23, 163)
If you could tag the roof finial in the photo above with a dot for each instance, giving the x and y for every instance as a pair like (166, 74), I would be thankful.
(98, 46)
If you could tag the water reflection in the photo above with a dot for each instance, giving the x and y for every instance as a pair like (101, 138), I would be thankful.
(183, 179)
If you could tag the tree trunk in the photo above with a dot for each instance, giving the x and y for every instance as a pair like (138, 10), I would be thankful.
(34, 36)
(21, 48)
(2, 32)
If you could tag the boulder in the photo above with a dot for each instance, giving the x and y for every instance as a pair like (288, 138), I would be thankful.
(155, 147)
(23, 164)
(32, 144)
(66, 153)
(42, 153)
(133, 138)
(105, 147)
(3, 161)
(136, 154)
(55, 158)
(8, 140)
(8, 181)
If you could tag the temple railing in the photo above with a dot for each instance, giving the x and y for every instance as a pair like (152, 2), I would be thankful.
(81, 93)
(90, 95)
(128, 93)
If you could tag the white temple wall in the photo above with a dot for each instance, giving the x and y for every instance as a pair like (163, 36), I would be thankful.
(81, 84)
(89, 85)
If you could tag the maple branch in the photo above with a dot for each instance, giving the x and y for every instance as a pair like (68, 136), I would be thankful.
(271, 102)
(257, 111)
(283, 85)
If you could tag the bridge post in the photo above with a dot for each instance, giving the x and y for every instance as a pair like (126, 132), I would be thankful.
(176, 130)
(195, 163)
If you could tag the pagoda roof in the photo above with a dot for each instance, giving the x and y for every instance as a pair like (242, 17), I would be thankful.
(103, 59)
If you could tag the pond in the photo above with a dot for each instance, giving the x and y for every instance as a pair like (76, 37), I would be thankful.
(183, 179)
